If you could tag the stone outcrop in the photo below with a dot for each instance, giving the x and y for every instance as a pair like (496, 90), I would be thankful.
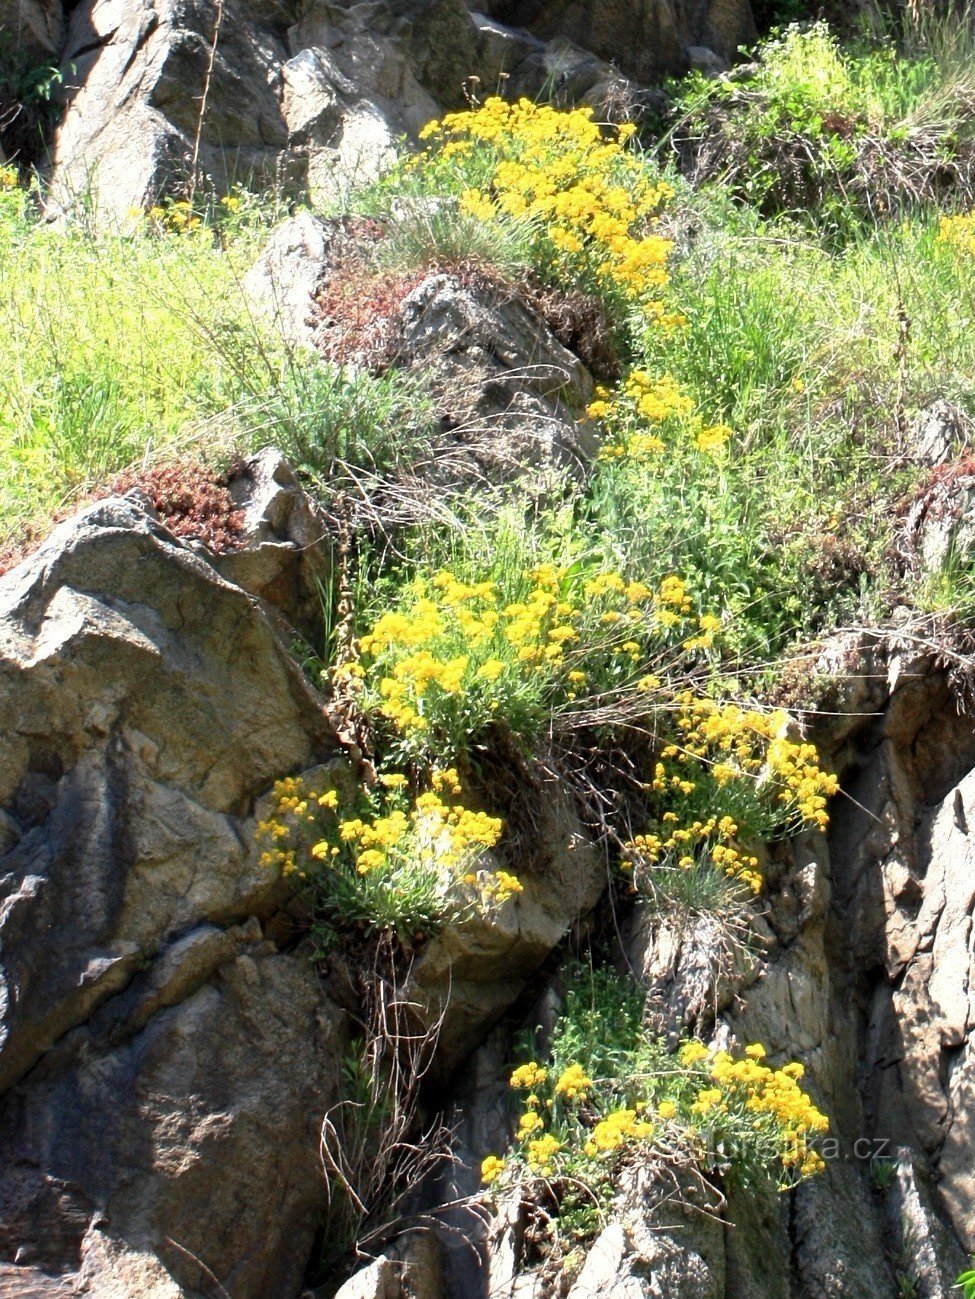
(163, 1066)
(312, 96)
(508, 395)
(474, 972)
(283, 282)
(645, 38)
(863, 972)
(507, 392)
(285, 559)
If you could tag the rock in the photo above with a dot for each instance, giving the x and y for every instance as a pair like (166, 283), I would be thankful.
(704, 60)
(130, 1155)
(31, 29)
(380, 1280)
(286, 559)
(411, 1269)
(927, 1248)
(937, 434)
(154, 1048)
(939, 529)
(689, 969)
(644, 40)
(507, 391)
(361, 77)
(283, 281)
(311, 98)
(655, 1250)
(134, 76)
(472, 972)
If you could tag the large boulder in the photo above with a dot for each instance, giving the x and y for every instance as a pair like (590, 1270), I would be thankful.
(645, 39)
(312, 97)
(156, 1051)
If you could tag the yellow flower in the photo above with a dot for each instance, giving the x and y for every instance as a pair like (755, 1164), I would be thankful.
(540, 1154)
(528, 1123)
(491, 1169)
(692, 1052)
(573, 1083)
(528, 1076)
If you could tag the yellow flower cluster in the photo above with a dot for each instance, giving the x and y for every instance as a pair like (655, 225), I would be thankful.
(573, 1083)
(618, 1127)
(593, 198)
(540, 1154)
(710, 1099)
(714, 439)
(958, 233)
(177, 217)
(744, 758)
(491, 1169)
(455, 656)
(645, 399)
(437, 837)
(749, 1087)
(8, 177)
(738, 742)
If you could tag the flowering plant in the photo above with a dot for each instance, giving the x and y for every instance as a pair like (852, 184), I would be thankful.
(459, 656)
(383, 860)
(611, 1090)
(588, 199)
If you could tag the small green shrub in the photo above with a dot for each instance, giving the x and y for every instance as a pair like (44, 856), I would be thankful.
(343, 427)
(837, 135)
(29, 107)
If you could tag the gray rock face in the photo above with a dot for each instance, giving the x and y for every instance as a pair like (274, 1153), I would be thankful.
(155, 1051)
(286, 558)
(868, 983)
(939, 530)
(938, 433)
(473, 972)
(33, 29)
(506, 388)
(644, 39)
(315, 95)
(283, 281)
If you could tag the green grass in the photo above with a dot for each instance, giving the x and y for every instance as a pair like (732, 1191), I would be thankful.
(120, 349)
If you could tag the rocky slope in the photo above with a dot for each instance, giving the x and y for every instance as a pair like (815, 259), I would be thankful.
(171, 1045)
(313, 95)
(169, 1052)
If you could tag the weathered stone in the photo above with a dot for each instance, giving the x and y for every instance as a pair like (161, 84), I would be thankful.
(135, 76)
(655, 1250)
(145, 701)
(154, 1049)
(507, 390)
(938, 433)
(283, 281)
(286, 558)
(155, 1159)
(940, 528)
(31, 30)
(645, 39)
(476, 970)
(410, 1269)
